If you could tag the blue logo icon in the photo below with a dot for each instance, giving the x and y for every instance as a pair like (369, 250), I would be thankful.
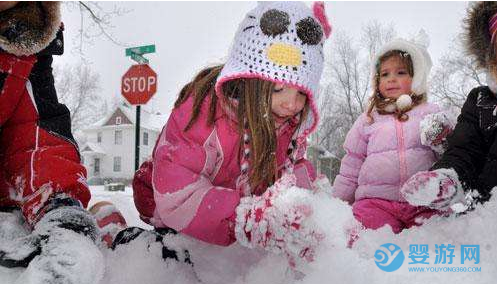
(389, 257)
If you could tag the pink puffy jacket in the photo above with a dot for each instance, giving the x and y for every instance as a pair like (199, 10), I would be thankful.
(193, 174)
(381, 156)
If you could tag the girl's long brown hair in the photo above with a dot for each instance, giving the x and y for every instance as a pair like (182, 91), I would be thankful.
(253, 110)
(378, 102)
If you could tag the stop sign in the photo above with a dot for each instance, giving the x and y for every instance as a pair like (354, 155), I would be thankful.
(139, 84)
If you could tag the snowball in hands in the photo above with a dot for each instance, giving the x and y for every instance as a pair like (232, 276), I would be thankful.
(438, 189)
(279, 221)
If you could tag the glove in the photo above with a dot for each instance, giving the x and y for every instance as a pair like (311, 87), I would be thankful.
(279, 221)
(109, 219)
(60, 249)
(434, 129)
(438, 189)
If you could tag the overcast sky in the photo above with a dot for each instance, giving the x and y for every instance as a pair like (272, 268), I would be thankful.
(190, 35)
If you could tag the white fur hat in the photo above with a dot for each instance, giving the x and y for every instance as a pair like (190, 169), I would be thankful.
(420, 58)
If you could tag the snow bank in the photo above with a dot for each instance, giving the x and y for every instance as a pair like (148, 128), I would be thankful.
(140, 262)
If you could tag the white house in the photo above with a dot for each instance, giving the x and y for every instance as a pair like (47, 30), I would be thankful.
(109, 151)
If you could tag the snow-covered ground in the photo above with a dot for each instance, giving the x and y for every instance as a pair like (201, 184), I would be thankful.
(140, 262)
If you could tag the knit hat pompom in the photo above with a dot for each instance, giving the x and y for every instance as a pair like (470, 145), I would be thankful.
(403, 102)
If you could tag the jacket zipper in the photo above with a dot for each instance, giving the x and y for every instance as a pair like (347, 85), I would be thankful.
(401, 151)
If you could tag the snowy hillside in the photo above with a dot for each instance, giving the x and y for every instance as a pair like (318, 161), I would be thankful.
(137, 264)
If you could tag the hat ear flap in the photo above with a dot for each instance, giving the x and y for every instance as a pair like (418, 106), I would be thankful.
(320, 14)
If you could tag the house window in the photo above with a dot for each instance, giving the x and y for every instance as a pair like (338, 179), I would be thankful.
(99, 137)
(117, 164)
(118, 137)
(118, 120)
(96, 166)
(145, 138)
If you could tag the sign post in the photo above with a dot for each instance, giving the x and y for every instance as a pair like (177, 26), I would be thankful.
(138, 85)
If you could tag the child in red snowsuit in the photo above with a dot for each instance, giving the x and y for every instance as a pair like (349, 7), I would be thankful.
(40, 170)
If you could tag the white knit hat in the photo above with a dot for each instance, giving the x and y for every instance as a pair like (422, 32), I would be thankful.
(421, 60)
(280, 42)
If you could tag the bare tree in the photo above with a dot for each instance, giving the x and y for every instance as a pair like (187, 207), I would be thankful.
(95, 22)
(346, 84)
(374, 35)
(455, 76)
(77, 88)
(78, 85)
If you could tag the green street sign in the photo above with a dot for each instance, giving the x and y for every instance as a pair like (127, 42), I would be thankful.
(140, 50)
(138, 58)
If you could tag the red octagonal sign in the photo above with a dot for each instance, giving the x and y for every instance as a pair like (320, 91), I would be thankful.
(139, 84)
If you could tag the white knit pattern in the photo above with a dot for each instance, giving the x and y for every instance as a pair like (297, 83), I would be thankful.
(282, 58)
(281, 42)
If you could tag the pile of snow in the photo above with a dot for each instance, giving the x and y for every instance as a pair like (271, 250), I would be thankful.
(140, 261)
(358, 266)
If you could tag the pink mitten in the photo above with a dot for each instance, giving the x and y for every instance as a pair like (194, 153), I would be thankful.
(434, 129)
(279, 221)
(438, 189)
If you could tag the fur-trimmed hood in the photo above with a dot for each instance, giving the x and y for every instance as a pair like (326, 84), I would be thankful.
(420, 58)
(477, 35)
(29, 27)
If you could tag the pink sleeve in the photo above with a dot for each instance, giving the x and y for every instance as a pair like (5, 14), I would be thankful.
(355, 146)
(186, 200)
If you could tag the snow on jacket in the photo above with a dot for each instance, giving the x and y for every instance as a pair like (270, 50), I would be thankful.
(193, 174)
(472, 146)
(38, 155)
(381, 156)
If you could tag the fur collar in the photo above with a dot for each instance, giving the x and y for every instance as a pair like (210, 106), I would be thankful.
(29, 27)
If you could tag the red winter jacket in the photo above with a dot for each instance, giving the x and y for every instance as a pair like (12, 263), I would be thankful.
(38, 155)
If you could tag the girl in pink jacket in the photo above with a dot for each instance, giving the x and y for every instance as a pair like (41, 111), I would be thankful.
(235, 130)
(384, 148)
